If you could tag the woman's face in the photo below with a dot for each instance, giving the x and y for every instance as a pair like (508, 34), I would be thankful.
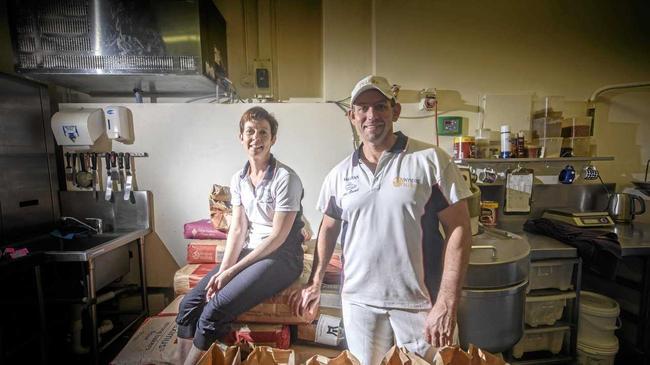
(256, 138)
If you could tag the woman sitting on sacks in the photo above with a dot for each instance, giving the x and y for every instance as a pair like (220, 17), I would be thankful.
(263, 252)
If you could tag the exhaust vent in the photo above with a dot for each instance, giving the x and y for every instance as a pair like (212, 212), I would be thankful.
(110, 47)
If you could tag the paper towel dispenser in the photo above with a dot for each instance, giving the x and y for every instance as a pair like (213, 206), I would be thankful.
(78, 127)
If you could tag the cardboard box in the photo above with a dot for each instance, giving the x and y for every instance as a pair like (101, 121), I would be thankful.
(153, 343)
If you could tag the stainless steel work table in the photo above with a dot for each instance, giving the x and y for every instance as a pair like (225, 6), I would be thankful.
(104, 255)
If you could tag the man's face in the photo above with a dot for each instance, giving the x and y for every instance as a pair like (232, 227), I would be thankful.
(373, 116)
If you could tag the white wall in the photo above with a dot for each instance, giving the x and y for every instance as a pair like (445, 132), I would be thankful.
(192, 146)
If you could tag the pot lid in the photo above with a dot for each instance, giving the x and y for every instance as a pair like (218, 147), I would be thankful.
(496, 247)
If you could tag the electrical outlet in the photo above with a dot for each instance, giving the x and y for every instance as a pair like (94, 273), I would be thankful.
(263, 79)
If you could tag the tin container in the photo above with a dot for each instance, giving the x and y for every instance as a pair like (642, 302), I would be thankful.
(464, 147)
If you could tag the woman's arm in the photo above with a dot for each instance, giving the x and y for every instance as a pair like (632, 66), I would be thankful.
(236, 237)
(234, 245)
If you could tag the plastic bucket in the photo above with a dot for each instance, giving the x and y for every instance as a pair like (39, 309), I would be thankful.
(604, 354)
(598, 320)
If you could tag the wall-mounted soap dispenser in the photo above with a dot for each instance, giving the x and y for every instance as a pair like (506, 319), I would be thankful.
(78, 127)
(118, 123)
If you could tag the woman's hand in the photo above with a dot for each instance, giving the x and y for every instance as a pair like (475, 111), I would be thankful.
(218, 281)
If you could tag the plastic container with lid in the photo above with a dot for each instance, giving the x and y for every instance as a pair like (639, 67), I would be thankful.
(541, 339)
(548, 106)
(550, 147)
(546, 309)
(601, 354)
(577, 146)
(550, 274)
(598, 319)
(546, 127)
(576, 127)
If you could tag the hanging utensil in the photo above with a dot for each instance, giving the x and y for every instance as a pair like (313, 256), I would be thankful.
(68, 168)
(129, 178)
(109, 182)
(74, 170)
(120, 164)
(115, 177)
(93, 165)
(84, 178)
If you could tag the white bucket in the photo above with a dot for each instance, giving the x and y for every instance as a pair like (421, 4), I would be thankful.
(598, 320)
(604, 354)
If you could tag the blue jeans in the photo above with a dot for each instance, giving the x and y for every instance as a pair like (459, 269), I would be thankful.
(207, 322)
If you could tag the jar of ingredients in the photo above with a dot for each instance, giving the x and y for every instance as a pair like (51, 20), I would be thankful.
(464, 147)
(489, 209)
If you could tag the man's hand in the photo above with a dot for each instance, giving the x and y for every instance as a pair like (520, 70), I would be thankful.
(440, 325)
(305, 300)
(217, 282)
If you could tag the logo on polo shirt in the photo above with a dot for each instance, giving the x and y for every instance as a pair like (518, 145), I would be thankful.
(405, 182)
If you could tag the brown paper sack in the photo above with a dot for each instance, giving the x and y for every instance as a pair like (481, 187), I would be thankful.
(220, 209)
(454, 355)
(217, 356)
(220, 193)
(345, 358)
(401, 356)
(264, 355)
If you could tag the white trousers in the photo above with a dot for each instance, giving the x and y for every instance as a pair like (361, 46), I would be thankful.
(371, 331)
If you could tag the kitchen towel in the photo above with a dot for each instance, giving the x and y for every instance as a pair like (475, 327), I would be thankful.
(600, 250)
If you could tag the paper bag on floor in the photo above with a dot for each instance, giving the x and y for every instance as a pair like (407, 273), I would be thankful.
(345, 358)
(401, 356)
(454, 355)
(216, 355)
(264, 355)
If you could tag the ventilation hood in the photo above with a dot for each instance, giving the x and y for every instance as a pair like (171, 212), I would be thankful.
(111, 47)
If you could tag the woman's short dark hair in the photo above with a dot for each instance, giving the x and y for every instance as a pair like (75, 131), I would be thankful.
(257, 114)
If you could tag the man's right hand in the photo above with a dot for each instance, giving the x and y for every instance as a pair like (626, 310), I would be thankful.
(305, 300)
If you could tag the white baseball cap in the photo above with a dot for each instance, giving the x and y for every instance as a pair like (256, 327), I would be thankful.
(372, 82)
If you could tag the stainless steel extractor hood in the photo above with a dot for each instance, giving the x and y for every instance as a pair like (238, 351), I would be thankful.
(111, 47)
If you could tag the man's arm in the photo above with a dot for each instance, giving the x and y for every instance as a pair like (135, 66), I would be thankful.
(441, 320)
(306, 300)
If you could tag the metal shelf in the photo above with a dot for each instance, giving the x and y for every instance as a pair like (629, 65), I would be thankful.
(532, 160)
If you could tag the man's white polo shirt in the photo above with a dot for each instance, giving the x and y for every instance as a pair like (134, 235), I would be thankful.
(279, 191)
(390, 236)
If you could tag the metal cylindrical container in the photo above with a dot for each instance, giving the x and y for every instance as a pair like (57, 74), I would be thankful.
(491, 308)
(492, 319)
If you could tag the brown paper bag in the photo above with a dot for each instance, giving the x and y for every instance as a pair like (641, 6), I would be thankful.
(218, 356)
(345, 358)
(454, 355)
(220, 208)
(401, 356)
(264, 355)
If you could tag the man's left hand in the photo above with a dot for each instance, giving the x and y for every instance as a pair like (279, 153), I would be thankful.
(440, 324)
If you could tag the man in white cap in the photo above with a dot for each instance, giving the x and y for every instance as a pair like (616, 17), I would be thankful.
(401, 279)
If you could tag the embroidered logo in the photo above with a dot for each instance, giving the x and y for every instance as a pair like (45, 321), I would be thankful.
(405, 182)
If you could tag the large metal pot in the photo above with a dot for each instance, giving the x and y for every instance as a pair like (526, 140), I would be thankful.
(498, 259)
(491, 309)
(492, 319)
